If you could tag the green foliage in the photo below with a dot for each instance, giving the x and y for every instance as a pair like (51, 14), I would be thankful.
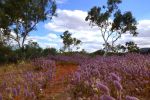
(98, 52)
(112, 22)
(49, 51)
(32, 50)
(68, 41)
(132, 47)
(5, 53)
(120, 48)
(21, 17)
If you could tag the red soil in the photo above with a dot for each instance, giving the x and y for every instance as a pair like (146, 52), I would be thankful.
(59, 83)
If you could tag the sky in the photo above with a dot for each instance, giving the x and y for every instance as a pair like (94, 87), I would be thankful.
(71, 16)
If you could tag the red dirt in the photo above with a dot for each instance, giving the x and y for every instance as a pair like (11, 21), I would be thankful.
(59, 84)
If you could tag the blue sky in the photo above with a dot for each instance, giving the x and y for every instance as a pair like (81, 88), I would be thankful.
(139, 8)
(71, 15)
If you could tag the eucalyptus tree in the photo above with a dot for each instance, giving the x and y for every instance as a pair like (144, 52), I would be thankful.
(112, 23)
(19, 17)
(69, 41)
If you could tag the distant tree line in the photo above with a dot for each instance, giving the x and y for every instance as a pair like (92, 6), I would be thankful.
(129, 47)
(32, 50)
(9, 53)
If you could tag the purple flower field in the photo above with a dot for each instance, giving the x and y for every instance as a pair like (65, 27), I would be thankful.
(97, 78)
(118, 77)
(74, 50)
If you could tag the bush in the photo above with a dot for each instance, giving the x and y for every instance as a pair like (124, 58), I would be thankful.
(5, 53)
(49, 51)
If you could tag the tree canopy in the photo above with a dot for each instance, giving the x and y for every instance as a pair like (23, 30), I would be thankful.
(68, 41)
(19, 17)
(112, 22)
(132, 47)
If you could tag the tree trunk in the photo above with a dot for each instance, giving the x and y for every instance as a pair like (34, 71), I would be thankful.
(106, 49)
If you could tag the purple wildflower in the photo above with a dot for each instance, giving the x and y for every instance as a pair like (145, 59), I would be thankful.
(131, 98)
(14, 90)
(115, 77)
(118, 85)
(26, 93)
(106, 97)
(18, 89)
(103, 88)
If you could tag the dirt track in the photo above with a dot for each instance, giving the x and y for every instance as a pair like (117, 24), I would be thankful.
(58, 88)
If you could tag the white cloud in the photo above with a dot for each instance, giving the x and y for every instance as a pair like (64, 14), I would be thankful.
(61, 1)
(143, 38)
(49, 40)
(74, 21)
(144, 28)
(52, 36)
(67, 19)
